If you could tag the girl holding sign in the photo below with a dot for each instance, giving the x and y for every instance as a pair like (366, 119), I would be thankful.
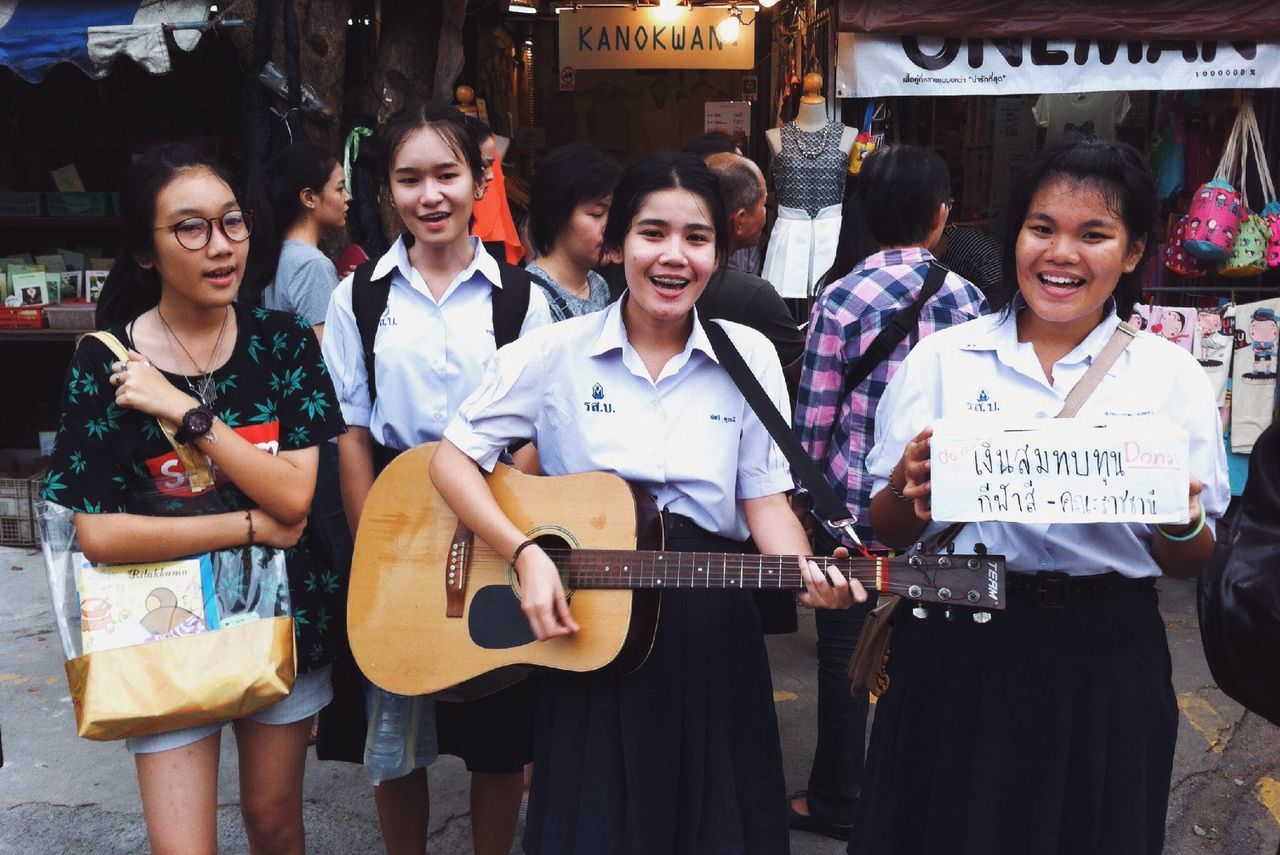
(1050, 728)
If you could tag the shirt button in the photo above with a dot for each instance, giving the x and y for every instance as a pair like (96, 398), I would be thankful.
(440, 418)
(1042, 415)
(1044, 562)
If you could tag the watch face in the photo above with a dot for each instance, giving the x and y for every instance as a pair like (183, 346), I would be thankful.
(197, 422)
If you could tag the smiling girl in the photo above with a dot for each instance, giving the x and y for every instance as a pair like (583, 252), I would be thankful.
(250, 393)
(1051, 727)
(402, 364)
(680, 756)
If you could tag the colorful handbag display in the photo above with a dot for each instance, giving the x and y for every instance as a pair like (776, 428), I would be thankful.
(1213, 220)
(1249, 251)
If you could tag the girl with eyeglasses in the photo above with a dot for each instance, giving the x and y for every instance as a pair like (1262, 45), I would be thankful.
(250, 392)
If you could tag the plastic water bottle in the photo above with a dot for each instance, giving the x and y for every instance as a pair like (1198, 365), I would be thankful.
(390, 749)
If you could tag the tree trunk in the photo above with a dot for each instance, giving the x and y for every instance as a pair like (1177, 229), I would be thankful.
(322, 45)
(449, 60)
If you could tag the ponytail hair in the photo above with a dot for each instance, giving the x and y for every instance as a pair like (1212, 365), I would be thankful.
(274, 197)
(132, 289)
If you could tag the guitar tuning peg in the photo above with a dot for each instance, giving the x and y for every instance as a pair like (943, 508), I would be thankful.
(920, 612)
(981, 617)
(951, 548)
(980, 549)
(919, 547)
(948, 614)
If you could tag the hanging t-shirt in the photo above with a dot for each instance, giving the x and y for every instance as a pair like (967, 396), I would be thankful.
(1253, 372)
(1216, 335)
(1172, 323)
(1089, 113)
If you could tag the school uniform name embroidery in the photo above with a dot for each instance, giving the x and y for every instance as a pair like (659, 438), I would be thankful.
(598, 404)
(716, 417)
(983, 403)
(387, 319)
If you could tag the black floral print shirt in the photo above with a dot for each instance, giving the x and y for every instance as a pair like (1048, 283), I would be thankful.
(274, 391)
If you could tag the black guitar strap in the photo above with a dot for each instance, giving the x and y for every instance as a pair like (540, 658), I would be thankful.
(827, 506)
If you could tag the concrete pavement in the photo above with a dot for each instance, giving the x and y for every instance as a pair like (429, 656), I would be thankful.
(60, 794)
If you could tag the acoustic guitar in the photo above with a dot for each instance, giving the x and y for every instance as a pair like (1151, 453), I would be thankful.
(430, 607)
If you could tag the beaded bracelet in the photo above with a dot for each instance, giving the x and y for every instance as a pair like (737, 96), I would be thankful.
(1183, 538)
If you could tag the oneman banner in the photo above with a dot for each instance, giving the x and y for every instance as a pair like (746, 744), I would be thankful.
(648, 37)
(877, 66)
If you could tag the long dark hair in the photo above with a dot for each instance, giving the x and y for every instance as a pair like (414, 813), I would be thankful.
(274, 195)
(1119, 173)
(132, 289)
(666, 171)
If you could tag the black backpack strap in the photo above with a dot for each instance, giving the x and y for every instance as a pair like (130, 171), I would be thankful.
(553, 296)
(510, 303)
(368, 302)
(904, 321)
(826, 503)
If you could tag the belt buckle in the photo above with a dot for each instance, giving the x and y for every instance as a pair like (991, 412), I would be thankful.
(1053, 590)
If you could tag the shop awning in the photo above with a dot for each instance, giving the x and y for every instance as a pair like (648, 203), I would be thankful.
(1099, 19)
(35, 35)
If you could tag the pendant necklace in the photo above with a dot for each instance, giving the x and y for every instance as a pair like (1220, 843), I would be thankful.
(204, 388)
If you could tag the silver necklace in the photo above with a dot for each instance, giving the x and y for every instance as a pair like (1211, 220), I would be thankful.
(204, 388)
(812, 143)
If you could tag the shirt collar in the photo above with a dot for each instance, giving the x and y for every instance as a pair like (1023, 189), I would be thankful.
(1001, 334)
(397, 258)
(912, 255)
(613, 333)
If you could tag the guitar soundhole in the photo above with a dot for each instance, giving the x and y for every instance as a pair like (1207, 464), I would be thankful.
(494, 618)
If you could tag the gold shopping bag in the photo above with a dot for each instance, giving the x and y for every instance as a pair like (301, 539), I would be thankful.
(182, 682)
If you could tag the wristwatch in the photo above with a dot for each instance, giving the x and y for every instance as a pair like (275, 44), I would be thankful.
(197, 422)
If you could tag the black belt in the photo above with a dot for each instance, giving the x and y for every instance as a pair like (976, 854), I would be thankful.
(1059, 590)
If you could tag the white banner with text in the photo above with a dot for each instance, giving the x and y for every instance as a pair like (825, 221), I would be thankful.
(1059, 471)
(873, 66)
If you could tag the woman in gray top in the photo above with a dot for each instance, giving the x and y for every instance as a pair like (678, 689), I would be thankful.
(301, 194)
(568, 204)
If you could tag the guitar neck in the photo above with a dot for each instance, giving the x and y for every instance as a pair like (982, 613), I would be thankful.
(604, 568)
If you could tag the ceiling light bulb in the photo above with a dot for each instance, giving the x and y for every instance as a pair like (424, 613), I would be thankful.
(669, 10)
(729, 29)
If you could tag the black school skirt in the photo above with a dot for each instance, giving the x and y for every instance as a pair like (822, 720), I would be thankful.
(680, 757)
(1042, 732)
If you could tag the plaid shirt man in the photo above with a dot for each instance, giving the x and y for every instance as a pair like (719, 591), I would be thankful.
(846, 318)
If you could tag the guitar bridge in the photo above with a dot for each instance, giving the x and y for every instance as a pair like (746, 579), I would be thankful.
(455, 580)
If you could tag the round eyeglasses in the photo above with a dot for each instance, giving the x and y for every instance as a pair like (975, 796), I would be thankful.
(195, 232)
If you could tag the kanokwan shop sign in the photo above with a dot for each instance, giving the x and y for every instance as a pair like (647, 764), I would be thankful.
(871, 66)
(645, 38)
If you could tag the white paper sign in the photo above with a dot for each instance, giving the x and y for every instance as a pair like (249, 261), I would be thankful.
(874, 66)
(732, 117)
(1060, 471)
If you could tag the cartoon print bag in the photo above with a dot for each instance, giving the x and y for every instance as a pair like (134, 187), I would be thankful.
(1271, 216)
(1176, 257)
(1249, 251)
(1214, 217)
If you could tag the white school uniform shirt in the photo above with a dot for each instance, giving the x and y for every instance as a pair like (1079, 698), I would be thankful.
(980, 369)
(581, 393)
(429, 354)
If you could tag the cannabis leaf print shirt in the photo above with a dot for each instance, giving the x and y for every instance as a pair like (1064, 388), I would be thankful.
(274, 391)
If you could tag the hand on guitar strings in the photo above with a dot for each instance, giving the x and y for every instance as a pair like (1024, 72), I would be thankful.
(542, 596)
(828, 588)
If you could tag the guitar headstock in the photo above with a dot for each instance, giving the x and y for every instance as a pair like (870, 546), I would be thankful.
(972, 581)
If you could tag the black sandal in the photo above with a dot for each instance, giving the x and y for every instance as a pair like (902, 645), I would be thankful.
(804, 822)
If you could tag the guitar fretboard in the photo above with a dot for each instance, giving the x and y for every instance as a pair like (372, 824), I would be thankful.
(602, 568)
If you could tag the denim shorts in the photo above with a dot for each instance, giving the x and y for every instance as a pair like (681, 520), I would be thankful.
(311, 692)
